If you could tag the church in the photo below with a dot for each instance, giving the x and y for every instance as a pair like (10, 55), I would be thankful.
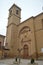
(24, 39)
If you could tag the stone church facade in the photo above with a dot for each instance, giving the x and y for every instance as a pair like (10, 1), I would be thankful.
(24, 39)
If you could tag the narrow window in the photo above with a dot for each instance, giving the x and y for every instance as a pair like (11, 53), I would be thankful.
(16, 11)
(11, 12)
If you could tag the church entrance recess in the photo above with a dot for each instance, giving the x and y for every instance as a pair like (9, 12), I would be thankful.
(25, 51)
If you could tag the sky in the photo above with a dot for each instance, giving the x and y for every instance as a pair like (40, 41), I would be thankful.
(28, 8)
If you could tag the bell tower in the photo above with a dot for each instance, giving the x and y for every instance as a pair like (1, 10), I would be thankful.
(12, 29)
(14, 15)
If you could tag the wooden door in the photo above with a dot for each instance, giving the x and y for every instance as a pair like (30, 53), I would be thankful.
(25, 51)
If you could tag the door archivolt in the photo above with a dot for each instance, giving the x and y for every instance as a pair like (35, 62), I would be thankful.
(24, 29)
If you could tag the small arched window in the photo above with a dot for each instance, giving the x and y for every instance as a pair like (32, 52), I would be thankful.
(17, 12)
(10, 12)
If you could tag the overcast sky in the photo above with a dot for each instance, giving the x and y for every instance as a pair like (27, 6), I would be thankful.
(29, 8)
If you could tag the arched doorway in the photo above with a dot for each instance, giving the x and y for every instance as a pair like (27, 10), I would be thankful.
(25, 51)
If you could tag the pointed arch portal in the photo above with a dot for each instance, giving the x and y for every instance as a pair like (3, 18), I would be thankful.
(24, 37)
